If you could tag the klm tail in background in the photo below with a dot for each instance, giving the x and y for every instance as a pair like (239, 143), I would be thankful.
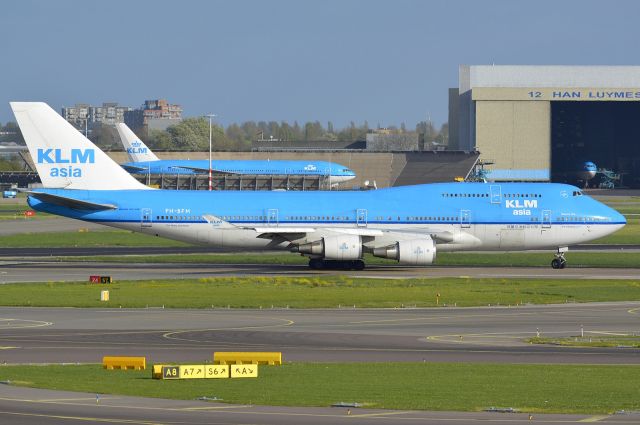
(136, 150)
(65, 158)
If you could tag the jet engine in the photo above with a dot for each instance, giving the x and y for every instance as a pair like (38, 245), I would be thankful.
(418, 252)
(342, 247)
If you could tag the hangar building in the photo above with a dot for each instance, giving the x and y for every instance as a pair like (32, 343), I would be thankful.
(539, 123)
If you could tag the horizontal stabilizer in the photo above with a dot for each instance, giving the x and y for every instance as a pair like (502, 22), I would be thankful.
(75, 204)
(134, 169)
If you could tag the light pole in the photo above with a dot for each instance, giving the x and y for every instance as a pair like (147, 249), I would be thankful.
(211, 117)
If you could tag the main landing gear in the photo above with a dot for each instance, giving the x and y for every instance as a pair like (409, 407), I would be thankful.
(320, 264)
(559, 262)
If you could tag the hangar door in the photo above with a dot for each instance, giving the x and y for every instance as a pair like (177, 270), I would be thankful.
(606, 133)
(516, 136)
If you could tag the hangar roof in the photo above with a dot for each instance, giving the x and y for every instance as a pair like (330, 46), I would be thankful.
(547, 76)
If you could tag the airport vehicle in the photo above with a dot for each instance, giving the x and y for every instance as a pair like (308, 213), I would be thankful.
(334, 229)
(144, 161)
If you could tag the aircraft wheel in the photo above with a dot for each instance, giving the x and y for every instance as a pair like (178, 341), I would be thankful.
(556, 263)
(358, 265)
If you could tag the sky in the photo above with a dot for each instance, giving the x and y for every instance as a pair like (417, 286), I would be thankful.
(386, 62)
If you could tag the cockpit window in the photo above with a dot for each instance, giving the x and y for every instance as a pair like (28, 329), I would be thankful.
(577, 193)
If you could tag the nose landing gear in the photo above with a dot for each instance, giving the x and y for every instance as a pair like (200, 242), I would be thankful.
(559, 262)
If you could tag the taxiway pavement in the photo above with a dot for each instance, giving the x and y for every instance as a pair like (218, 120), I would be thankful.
(484, 334)
(28, 406)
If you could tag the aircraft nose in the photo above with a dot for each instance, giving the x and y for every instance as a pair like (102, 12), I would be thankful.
(616, 217)
(620, 218)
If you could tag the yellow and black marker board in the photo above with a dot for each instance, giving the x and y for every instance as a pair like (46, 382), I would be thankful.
(170, 372)
(216, 371)
(210, 371)
(244, 371)
(191, 371)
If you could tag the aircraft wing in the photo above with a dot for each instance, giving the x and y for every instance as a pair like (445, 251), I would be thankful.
(283, 230)
(296, 233)
(292, 233)
(76, 204)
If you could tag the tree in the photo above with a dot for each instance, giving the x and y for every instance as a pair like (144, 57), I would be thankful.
(105, 136)
(159, 139)
(190, 134)
(426, 128)
(443, 135)
(330, 127)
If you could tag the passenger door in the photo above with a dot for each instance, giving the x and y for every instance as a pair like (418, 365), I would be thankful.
(272, 217)
(146, 218)
(361, 218)
(546, 219)
(496, 194)
(465, 219)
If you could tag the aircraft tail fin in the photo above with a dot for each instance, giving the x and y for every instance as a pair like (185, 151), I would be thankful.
(135, 148)
(65, 158)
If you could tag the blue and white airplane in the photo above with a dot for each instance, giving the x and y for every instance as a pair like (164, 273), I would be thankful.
(143, 161)
(587, 171)
(334, 229)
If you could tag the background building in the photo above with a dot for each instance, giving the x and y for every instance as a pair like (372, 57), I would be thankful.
(153, 115)
(541, 122)
(109, 113)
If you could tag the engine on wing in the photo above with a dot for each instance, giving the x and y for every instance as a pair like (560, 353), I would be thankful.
(342, 247)
(419, 252)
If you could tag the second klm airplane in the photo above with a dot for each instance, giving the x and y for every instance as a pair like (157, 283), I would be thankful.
(334, 229)
(143, 161)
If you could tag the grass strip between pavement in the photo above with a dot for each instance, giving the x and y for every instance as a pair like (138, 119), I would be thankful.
(319, 292)
(424, 386)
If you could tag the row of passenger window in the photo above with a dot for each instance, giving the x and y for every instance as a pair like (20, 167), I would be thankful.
(465, 195)
(583, 219)
(522, 195)
(317, 218)
(178, 217)
(486, 195)
(431, 218)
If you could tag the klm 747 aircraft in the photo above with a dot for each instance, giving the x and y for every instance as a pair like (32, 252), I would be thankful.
(143, 161)
(334, 229)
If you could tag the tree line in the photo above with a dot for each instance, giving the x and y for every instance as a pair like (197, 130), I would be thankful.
(192, 134)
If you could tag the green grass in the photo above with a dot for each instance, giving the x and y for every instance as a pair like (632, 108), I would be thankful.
(423, 386)
(93, 238)
(629, 234)
(11, 211)
(319, 292)
(626, 209)
(591, 341)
